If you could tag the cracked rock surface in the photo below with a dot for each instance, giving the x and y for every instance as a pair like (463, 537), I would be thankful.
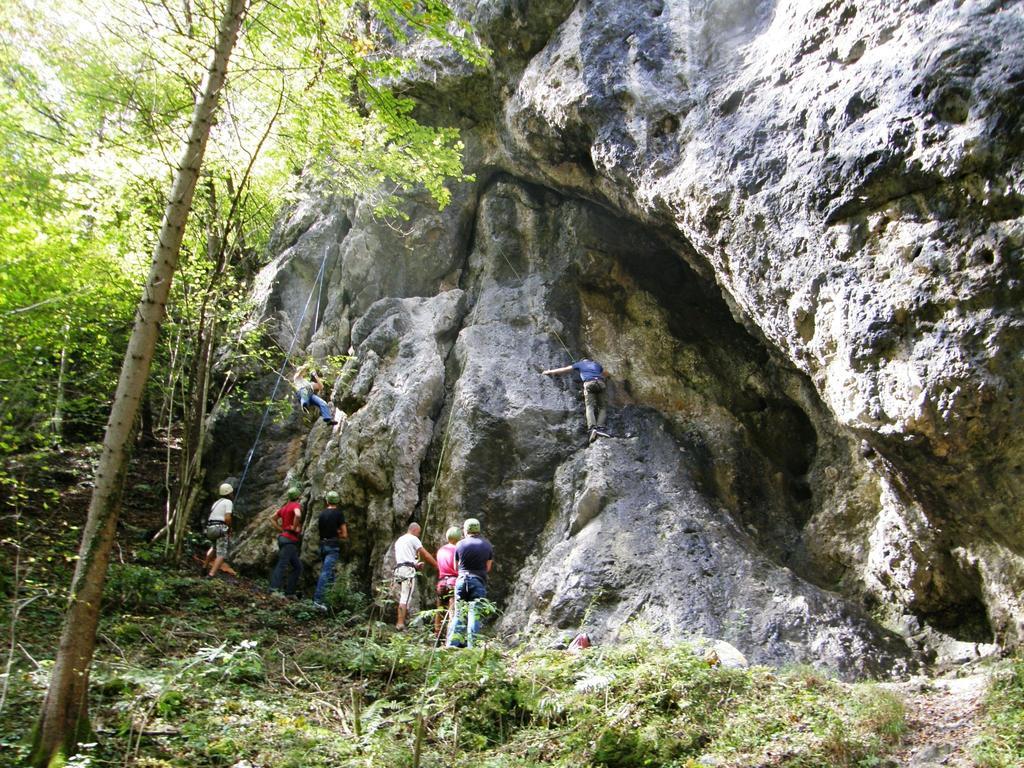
(791, 231)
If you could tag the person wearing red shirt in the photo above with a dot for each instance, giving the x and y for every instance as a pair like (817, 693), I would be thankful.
(288, 523)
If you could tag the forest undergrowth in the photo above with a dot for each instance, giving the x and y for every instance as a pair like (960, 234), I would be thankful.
(195, 672)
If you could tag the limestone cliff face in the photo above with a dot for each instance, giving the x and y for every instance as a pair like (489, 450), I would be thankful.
(794, 234)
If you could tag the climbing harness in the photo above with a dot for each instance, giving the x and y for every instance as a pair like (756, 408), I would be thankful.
(280, 375)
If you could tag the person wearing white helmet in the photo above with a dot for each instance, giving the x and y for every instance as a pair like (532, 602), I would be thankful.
(218, 530)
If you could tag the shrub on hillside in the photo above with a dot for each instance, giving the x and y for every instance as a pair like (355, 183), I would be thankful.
(136, 588)
(1002, 744)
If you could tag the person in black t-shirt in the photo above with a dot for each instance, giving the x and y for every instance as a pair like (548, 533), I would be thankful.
(333, 530)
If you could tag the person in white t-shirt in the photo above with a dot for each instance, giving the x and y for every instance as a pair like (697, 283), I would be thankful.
(408, 551)
(218, 530)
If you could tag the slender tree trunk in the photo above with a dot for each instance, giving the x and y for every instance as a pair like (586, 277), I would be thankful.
(64, 719)
(199, 384)
(167, 403)
(58, 407)
(147, 431)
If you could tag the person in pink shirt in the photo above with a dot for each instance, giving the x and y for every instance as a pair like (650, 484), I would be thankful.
(447, 572)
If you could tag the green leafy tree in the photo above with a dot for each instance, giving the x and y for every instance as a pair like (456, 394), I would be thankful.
(310, 94)
(64, 719)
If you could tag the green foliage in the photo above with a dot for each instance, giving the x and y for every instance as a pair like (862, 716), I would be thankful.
(237, 663)
(344, 597)
(1002, 742)
(346, 125)
(93, 103)
(65, 289)
(136, 588)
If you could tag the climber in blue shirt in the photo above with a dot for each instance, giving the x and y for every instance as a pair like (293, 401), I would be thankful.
(592, 375)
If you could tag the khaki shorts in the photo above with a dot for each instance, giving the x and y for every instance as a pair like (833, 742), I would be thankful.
(219, 539)
(405, 577)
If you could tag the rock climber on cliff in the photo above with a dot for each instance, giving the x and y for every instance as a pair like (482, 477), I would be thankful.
(308, 388)
(408, 551)
(594, 392)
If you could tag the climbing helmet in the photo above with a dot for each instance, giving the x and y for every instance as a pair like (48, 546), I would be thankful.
(332, 497)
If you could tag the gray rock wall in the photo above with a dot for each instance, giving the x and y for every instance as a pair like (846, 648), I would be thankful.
(793, 233)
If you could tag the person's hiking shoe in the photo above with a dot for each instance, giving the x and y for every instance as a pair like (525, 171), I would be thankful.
(320, 607)
(596, 433)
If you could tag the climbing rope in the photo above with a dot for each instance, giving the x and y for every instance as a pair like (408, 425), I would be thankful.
(552, 331)
(280, 374)
(319, 295)
(437, 474)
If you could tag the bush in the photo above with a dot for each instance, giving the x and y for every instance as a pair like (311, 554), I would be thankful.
(1002, 744)
(136, 588)
(236, 664)
(343, 596)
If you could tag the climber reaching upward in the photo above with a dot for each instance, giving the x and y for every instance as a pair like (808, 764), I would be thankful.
(594, 392)
(308, 388)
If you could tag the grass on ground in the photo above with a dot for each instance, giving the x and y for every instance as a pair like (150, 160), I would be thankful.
(197, 673)
(206, 674)
(1002, 742)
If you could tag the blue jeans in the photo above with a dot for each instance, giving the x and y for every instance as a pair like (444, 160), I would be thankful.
(306, 397)
(287, 557)
(469, 589)
(330, 555)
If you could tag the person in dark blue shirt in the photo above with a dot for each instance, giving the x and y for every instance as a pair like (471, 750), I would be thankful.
(474, 557)
(592, 374)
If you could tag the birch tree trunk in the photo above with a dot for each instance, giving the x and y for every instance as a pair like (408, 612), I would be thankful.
(64, 720)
